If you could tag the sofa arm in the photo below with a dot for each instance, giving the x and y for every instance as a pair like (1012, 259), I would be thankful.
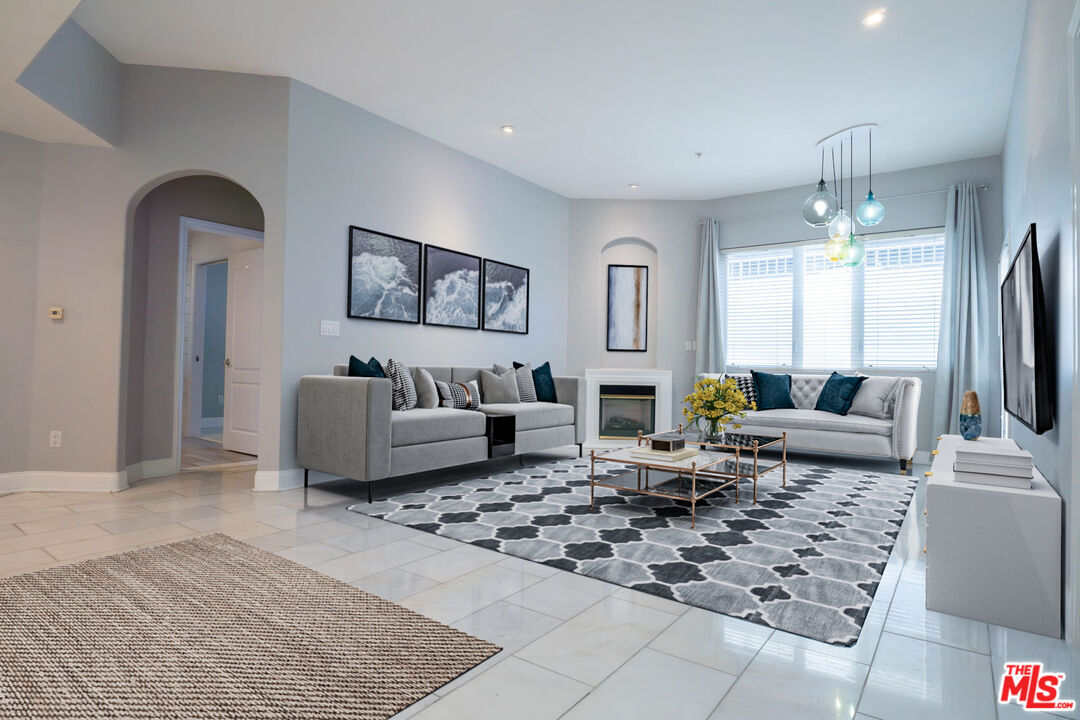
(343, 426)
(905, 437)
(571, 391)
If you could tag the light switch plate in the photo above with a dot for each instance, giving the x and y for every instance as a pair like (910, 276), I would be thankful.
(330, 328)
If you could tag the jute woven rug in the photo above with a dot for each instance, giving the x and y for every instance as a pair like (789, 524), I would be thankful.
(214, 628)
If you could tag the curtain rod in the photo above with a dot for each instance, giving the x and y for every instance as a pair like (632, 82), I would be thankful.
(890, 197)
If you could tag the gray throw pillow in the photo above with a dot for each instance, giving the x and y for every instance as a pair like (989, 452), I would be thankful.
(875, 397)
(525, 383)
(402, 389)
(499, 388)
(427, 395)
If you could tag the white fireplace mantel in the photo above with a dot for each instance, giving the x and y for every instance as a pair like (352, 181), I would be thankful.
(660, 380)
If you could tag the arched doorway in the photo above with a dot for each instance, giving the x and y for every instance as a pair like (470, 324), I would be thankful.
(186, 235)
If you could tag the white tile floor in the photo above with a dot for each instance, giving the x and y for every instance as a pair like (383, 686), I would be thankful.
(574, 647)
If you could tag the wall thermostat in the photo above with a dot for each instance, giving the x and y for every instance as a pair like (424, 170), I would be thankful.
(56, 313)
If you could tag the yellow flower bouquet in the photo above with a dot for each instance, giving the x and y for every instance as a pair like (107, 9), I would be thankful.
(714, 404)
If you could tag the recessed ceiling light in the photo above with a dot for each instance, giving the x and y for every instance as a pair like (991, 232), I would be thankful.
(874, 18)
(633, 186)
(508, 129)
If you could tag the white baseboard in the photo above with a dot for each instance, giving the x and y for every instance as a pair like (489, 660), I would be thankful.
(58, 481)
(212, 424)
(272, 480)
(151, 469)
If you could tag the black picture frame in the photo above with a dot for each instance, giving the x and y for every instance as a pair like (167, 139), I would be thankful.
(447, 262)
(405, 250)
(487, 323)
(618, 347)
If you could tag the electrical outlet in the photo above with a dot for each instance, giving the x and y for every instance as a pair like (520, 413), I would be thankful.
(56, 438)
(691, 345)
(330, 328)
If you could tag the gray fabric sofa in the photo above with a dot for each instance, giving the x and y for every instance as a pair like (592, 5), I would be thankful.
(894, 435)
(346, 427)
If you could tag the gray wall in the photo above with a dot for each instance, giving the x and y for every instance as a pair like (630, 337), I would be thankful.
(176, 122)
(154, 278)
(671, 227)
(348, 166)
(20, 188)
(79, 77)
(1038, 189)
(217, 278)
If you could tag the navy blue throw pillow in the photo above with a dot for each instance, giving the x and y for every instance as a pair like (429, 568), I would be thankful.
(838, 393)
(371, 368)
(773, 391)
(545, 384)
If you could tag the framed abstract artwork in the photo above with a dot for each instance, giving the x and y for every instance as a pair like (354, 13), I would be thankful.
(451, 288)
(628, 308)
(384, 276)
(506, 298)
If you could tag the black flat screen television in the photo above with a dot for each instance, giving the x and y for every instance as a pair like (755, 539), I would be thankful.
(1024, 337)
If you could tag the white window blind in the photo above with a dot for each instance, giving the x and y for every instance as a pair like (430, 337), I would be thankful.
(826, 311)
(790, 306)
(758, 308)
(902, 301)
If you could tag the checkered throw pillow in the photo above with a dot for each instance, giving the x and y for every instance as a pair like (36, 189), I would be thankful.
(462, 396)
(402, 389)
(746, 384)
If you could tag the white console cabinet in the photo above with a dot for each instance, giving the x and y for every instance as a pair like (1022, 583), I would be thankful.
(993, 553)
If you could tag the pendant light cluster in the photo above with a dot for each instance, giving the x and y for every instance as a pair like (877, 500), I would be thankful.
(823, 210)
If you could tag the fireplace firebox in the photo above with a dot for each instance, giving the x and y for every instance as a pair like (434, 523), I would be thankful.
(625, 409)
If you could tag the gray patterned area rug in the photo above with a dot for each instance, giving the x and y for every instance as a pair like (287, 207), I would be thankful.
(214, 628)
(806, 559)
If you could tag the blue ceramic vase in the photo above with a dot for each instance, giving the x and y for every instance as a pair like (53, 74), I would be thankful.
(970, 416)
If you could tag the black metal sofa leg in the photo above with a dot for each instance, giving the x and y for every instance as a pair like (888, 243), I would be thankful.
(305, 477)
(369, 492)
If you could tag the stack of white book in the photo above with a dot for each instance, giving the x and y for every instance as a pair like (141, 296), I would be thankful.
(994, 461)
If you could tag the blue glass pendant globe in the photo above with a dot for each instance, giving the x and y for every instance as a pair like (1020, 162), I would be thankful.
(820, 207)
(870, 211)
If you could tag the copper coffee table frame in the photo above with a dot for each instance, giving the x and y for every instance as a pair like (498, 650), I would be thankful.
(751, 442)
(695, 470)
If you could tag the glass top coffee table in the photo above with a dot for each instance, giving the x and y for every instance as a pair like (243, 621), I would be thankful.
(748, 444)
(696, 477)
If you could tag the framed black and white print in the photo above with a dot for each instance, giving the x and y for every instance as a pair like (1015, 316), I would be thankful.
(451, 288)
(506, 297)
(628, 308)
(384, 276)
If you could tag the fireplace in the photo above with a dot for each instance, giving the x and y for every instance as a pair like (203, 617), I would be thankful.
(621, 401)
(625, 409)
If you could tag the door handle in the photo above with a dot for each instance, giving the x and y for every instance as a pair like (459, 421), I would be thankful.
(228, 362)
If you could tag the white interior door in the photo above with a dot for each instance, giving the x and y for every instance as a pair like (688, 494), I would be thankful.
(243, 346)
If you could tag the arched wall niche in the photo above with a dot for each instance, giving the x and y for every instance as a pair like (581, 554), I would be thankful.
(630, 251)
(152, 283)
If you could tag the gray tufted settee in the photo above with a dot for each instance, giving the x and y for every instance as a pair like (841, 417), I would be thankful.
(892, 435)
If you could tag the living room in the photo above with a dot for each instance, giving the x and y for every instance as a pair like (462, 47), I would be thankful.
(574, 353)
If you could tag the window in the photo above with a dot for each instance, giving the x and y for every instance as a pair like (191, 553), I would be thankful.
(790, 306)
(758, 308)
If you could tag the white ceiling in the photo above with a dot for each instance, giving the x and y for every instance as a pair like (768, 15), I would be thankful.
(24, 28)
(604, 93)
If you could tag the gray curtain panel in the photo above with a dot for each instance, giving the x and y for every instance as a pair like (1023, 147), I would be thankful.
(710, 330)
(963, 359)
